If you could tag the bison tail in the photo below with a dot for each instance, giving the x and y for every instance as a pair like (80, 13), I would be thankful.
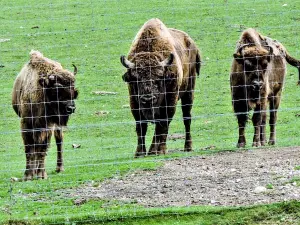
(293, 62)
(198, 64)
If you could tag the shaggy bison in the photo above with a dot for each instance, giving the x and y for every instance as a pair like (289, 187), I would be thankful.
(257, 77)
(161, 68)
(43, 96)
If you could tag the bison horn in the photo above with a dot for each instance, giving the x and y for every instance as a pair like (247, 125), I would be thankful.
(168, 61)
(75, 69)
(126, 63)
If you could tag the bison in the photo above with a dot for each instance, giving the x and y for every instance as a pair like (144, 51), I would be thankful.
(43, 97)
(257, 77)
(161, 69)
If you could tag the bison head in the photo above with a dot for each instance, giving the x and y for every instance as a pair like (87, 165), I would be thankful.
(255, 61)
(59, 92)
(147, 75)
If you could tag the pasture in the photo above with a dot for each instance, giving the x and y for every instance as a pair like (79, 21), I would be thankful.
(93, 35)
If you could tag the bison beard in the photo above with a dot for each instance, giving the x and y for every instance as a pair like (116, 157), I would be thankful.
(43, 96)
(161, 68)
(256, 79)
(150, 113)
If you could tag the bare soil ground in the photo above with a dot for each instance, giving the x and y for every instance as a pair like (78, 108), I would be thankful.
(245, 177)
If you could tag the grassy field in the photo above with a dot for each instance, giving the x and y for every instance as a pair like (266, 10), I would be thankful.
(93, 35)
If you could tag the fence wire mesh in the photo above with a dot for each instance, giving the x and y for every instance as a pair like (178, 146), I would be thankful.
(102, 180)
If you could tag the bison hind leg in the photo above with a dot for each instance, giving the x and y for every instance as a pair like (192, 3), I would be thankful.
(41, 153)
(186, 106)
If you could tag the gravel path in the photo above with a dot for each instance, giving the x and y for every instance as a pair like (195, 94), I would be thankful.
(229, 178)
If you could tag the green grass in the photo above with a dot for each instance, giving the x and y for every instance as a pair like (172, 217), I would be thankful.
(285, 213)
(93, 35)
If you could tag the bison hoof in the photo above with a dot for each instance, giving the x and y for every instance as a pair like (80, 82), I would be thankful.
(189, 149)
(42, 175)
(241, 145)
(157, 153)
(153, 153)
(262, 143)
(272, 142)
(59, 169)
(28, 177)
(139, 154)
(29, 174)
(256, 144)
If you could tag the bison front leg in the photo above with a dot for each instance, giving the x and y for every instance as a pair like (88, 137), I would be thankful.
(241, 109)
(141, 130)
(259, 123)
(153, 150)
(59, 143)
(30, 153)
(242, 120)
(45, 136)
(159, 139)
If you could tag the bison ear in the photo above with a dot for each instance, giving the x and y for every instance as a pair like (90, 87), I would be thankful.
(126, 63)
(238, 58)
(168, 61)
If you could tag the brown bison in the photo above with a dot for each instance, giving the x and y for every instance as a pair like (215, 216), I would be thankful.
(43, 96)
(161, 68)
(257, 76)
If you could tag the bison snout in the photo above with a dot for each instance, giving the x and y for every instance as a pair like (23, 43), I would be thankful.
(257, 85)
(148, 99)
(70, 109)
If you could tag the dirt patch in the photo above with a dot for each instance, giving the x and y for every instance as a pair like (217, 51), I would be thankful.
(230, 178)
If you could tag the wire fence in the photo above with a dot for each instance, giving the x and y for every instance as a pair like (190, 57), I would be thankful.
(100, 140)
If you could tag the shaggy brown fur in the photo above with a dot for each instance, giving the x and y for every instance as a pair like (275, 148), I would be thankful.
(257, 76)
(43, 96)
(162, 65)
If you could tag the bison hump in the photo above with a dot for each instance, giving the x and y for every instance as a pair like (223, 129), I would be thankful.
(37, 60)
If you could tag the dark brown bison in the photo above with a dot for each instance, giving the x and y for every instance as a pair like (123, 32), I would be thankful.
(43, 96)
(257, 76)
(161, 68)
